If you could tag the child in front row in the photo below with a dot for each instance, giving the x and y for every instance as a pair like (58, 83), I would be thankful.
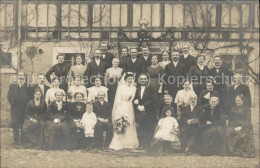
(167, 130)
(88, 122)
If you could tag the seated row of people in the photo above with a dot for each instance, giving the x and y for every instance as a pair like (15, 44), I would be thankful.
(64, 125)
(206, 130)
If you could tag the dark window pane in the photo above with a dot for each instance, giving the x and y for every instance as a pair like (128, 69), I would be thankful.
(70, 60)
(239, 61)
(6, 59)
(227, 61)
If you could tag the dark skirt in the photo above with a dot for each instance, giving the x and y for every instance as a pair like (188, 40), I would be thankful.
(56, 135)
(189, 135)
(112, 87)
(198, 88)
(33, 134)
(211, 140)
(76, 137)
(240, 143)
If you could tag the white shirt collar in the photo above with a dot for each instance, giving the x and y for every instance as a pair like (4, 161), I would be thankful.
(59, 102)
(185, 55)
(201, 66)
(175, 63)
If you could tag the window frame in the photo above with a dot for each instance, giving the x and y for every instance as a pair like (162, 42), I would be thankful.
(14, 60)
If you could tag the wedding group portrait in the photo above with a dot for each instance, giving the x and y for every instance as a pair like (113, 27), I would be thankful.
(129, 83)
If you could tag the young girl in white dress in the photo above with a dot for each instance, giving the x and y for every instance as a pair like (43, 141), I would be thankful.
(167, 130)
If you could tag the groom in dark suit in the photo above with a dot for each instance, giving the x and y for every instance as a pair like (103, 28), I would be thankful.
(103, 111)
(144, 111)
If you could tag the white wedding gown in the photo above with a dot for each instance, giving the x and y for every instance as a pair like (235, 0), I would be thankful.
(123, 106)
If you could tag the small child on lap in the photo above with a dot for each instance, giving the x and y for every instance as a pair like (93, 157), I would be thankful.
(88, 122)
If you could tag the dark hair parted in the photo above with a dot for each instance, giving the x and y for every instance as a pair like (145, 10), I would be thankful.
(128, 74)
(77, 94)
(38, 89)
(167, 108)
(198, 56)
(60, 55)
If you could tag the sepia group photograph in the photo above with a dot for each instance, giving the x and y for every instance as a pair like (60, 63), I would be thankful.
(129, 84)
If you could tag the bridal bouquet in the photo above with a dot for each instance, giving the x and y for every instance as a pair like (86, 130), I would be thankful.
(120, 125)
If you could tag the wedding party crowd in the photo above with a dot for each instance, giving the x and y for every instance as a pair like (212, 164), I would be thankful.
(167, 103)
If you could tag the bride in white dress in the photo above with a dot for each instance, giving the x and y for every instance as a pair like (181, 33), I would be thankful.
(123, 106)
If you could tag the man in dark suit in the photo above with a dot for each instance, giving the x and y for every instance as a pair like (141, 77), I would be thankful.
(59, 70)
(123, 56)
(187, 59)
(94, 68)
(145, 57)
(41, 85)
(145, 113)
(190, 118)
(175, 73)
(238, 89)
(133, 64)
(105, 55)
(18, 97)
(221, 75)
(103, 111)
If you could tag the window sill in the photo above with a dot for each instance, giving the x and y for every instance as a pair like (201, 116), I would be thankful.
(5, 70)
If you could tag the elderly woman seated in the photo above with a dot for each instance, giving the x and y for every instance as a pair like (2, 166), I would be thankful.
(34, 122)
(239, 134)
(56, 130)
(212, 125)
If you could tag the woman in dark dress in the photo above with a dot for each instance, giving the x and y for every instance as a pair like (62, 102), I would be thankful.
(75, 113)
(34, 122)
(212, 130)
(198, 74)
(56, 131)
(239, 134)
(155, 72)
